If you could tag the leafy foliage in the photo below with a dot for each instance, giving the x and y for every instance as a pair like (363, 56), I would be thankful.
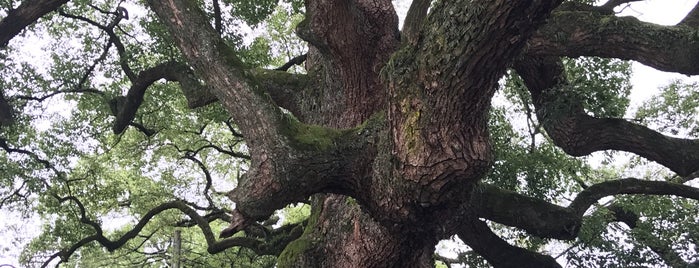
(120, 178)
(674, 110)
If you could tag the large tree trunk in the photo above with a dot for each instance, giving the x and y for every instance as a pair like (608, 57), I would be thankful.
(437, 146)
(350, 42)
(414, 110)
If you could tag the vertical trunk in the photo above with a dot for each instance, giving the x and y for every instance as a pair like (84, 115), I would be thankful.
(340, 234)
(350, 43)
(436, 93)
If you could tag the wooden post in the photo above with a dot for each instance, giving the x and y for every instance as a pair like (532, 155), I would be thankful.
(176, 249)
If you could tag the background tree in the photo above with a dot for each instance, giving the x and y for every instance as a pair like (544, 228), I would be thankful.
(473, 121)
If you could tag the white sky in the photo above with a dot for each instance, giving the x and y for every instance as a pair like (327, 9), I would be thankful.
(645, 80)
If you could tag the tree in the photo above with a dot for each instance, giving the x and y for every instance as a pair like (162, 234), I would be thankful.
(392, 137)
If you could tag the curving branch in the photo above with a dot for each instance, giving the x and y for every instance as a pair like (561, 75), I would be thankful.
(533, 215)
(125, 108)
(207, 176)
(219, 65)
(579, 134)
(595, 192)
(213, 246)
(57, 92)
(547, 220)
(113, 38)
(44, 163)
(575, 33)
(224, 151)
(24, 15)
(477, 235)
(660, 247)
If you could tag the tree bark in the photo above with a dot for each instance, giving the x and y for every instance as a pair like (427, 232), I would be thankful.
(391, 139)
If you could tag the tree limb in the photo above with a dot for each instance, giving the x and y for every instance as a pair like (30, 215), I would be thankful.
(533, 215)
(126, 108)
(213, 246)
(546, 220)
(298, 60)
(477, 235)
(414, 21)
(27, 13)
(44, 97)
(113, 38)
(595, 192)
(579, 134)
(692, 18)
(218, 64)
(588, 33)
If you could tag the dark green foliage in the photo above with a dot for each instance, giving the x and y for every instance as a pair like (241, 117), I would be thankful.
(252, 11)
(602, 85)
(674, 110)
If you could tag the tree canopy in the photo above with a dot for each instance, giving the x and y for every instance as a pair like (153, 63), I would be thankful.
(319, 133)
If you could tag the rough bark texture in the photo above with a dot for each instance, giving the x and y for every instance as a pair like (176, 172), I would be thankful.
(391, 139)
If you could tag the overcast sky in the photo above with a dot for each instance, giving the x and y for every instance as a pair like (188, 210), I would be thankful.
(647, 80)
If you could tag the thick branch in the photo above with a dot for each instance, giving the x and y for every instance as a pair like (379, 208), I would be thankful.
(27, 13)
(477, 235)
(589, 33)
(692, 18)
(579, 134)
(534, 215)
(546, 220)
(298, 60)
(442, 86)
(630, 186)
(414, 21)
(218, 64)
(282, 87)
(125, 110)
